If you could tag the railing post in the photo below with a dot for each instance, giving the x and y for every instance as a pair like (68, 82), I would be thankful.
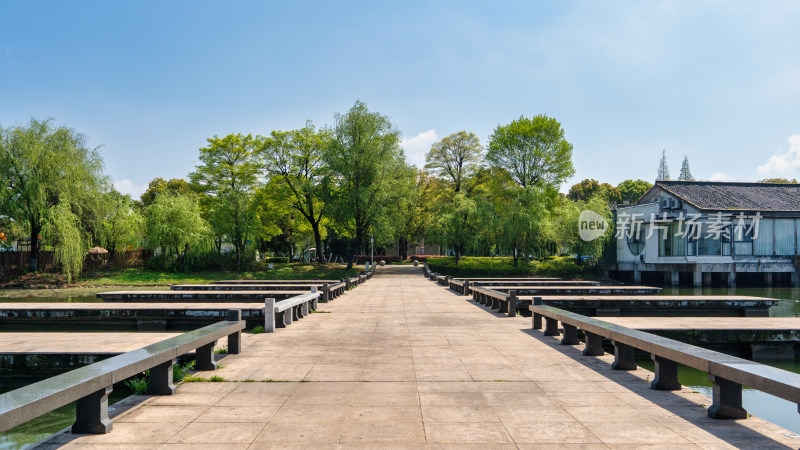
(594, 344)
(512, 303)
(91, 413)
(235, 339)
(666, 374)
(287, 317)
(727, 399)
(466, 287)
(161, 379)
(205, 357)
(537, 321)
(570, 334)
(269, 315)
(326, 293)
(550, 326)
(623, 357)
(347, 282)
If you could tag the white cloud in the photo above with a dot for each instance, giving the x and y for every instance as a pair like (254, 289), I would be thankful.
(720, 176)
(781, 162)
(416, 147)
(126, 186)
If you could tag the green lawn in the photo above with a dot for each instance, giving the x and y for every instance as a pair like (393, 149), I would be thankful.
(143, 277)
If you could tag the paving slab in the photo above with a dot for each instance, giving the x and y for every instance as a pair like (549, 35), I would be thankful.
(404, 362)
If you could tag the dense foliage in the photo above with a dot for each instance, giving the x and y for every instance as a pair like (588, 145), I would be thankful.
(314, 194)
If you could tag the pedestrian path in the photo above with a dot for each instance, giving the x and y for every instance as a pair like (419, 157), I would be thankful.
(404, 362)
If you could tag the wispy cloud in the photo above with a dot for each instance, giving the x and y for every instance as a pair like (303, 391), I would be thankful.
(720, 176)
(126, 186)
(416, 147)
(783, 162)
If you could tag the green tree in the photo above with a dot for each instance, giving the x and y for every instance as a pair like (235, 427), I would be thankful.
(455, 157)
(566, 227)
(589, 187)
(49, 176)
(123, 224)
(175, 186)
(663, 168)
(364, 156)
(228, 174)
(779, 180)
(632, 190)
(686, 173)
(296, 159)
(534, 151)
(174, 224)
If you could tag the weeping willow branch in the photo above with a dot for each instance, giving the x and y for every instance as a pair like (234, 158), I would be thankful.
(69, 248)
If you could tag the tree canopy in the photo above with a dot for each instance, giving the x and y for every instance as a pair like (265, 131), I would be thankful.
(50, 177)
(455, 157)
(632, 190)
(228, 174)
(533, 150)
(295, 158)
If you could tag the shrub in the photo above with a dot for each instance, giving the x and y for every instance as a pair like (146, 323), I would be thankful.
(257, 329)
(562, 267)
(424, 258)
(139, 384)
(276, 260)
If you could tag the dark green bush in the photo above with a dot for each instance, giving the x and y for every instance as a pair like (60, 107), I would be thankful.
(276, 260)
(562, 267)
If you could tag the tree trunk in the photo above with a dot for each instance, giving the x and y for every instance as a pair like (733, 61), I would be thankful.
(352, 253)
(457, 249)
(318, 242)
(515, 255)
(33, 266)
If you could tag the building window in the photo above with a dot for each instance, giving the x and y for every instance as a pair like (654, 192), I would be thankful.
(636, 242)
(671, 241)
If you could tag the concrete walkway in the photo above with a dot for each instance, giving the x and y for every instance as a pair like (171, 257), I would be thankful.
(403, 362)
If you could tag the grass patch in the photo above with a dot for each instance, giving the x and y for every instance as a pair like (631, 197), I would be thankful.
(145, 277)
(257, 329)
(557, 266)
(199, 379)
(221, 351)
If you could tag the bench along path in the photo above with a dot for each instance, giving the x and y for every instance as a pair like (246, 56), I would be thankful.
(402, 361)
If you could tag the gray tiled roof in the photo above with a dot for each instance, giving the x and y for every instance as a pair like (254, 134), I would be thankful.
(738, 196)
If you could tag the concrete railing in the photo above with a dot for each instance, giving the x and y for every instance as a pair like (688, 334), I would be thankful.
(426, 270)
(462, 286)
(289, 310)
(90, 385)
(503, 302)
(726, 373)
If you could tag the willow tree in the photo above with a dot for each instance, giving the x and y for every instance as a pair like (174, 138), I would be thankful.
(295, 159)
(229, 175)
(173, 223)
(365, 159)
(50, 176)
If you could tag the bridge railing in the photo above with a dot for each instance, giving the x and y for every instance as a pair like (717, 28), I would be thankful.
(726, 373)
(90, 385)
(283, 313)
(506, 303)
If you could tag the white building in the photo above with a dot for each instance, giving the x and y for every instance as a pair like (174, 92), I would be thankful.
(699, 232)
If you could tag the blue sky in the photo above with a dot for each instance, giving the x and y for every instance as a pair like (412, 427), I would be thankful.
(149, 81)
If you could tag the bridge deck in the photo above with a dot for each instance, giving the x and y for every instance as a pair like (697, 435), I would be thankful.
(708, 323)
(402, 361)
(77, 343)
